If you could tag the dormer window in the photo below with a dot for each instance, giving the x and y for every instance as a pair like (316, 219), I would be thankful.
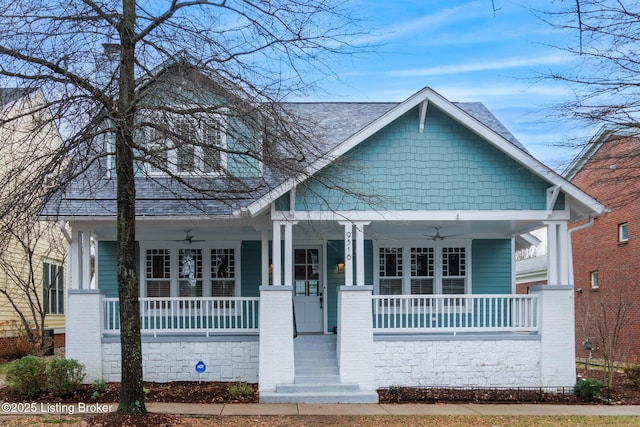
(189, 146)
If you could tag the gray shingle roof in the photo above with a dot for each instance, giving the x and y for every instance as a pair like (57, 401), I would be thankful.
(335, 122)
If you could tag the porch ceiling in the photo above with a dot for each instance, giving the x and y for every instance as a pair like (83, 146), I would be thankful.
(209, 229)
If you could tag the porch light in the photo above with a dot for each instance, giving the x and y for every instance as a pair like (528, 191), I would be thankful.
(341, 265)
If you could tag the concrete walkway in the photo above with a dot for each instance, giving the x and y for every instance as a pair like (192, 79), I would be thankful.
(389, 409)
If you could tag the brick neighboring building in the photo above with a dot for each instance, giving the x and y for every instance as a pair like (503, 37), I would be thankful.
(606, 255)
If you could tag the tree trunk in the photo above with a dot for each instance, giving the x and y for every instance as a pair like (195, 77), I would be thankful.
(131, 387)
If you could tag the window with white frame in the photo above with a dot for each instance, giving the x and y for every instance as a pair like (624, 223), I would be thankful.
(429, 271)
(185, 145)
(595, 281)
(190, 272)
(390, 271)
(223, 273)
(623, 232)
(53, 287)
(158, 273)
(422, 271)
(454, 275)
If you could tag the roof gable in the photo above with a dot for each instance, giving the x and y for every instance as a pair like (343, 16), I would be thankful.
(420, 102)
(445, 167)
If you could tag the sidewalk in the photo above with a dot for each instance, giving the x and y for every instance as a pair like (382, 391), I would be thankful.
(389, 409)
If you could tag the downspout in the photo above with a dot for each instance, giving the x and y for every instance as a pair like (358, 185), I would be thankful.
(571, 231)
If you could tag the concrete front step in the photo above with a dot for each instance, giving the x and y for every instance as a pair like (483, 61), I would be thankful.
(319, 397)
(317, 370)
(317, 379)
(317, 388)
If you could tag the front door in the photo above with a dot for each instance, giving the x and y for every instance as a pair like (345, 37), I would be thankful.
(307, 289)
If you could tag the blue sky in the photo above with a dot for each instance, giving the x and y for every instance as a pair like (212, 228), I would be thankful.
(466, 52)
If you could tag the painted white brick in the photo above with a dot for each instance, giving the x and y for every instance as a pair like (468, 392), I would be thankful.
(487, 363)
(160, 362)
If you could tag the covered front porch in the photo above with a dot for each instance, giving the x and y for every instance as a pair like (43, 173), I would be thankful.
(333, 277)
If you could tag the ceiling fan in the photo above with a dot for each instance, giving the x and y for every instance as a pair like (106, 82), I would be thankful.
(438, 237)
(188, 238)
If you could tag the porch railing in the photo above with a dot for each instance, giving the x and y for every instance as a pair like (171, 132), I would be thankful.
(201, 315)
(459, 313)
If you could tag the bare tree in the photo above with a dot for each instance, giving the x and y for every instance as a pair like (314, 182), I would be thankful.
(255, 54)
(605, 315)
(603, 36)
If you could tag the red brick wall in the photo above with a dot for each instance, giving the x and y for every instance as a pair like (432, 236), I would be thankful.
(523, 288)
(611, 176)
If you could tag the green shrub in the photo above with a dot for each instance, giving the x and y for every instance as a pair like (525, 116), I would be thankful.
(27, 375)
(633, 374)
(64, 376)
(588, 389)
(240, 389)
(99, 385)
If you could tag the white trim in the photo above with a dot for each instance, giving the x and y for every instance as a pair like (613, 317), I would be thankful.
(406, 246)
(174, 248)
(552, 197)
(400, 215)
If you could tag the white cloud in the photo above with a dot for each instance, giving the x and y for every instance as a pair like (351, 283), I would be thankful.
(498, 64)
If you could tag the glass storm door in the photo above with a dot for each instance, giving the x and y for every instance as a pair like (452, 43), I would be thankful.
(307, 289)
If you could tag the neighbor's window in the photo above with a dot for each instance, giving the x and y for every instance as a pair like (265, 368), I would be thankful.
(623, 232)
(595, 283)
(53, 287)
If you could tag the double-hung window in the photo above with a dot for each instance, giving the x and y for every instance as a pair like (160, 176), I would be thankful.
(188, 145)
(390, 269)
(223, 273)
(192, 272)
(423, 270)
(53, 287)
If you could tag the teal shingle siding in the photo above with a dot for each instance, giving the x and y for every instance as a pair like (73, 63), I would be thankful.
(108, 267)
(445, 168)
(492, 263)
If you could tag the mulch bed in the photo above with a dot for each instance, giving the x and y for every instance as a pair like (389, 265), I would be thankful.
(623, 393)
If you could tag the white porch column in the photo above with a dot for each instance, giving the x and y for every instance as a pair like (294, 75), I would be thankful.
(86, 260)
(355, 337)
(348, 252)
(276, 254)
(264, 252)
(360, 274)
(80, 252)
(557, 335)
(276, 362)
(288, 252)
(84, 330)
(558, 253)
